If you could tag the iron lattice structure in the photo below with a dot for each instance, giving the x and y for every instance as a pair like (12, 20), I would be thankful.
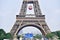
(22, 21)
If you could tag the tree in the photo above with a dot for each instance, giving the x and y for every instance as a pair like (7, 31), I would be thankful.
(57, 33)
(50, 35)
(38, 36)
(2, 34)
(8, 36)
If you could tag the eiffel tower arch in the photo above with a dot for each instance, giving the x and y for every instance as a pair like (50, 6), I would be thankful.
(37, 21)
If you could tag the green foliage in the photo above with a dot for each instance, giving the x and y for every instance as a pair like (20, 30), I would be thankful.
(50, 35)
(2, 31)
(57, 33)
(4, 35)
(8, 36)
(38, 36)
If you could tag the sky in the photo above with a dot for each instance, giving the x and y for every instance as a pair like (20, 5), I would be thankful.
(10, 8)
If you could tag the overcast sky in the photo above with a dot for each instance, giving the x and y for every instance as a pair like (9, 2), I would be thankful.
(10, 8)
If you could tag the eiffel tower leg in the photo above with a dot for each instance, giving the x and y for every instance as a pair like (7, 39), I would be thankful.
(15, 38)
(38, 20)
(23, 9)
(37, 9)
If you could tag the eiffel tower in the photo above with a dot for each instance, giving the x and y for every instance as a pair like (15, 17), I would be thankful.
(36, 20)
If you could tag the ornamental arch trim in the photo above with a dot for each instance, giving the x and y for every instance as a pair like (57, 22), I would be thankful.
(33, 25)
